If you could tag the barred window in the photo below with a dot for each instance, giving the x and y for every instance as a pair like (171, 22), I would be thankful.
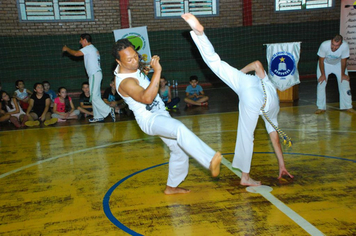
(174, 8)
(289, 5)
(55, 10)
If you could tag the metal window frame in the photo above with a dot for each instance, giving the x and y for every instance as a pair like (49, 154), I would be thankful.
(300, 5)
(175, 8)
(55, 11)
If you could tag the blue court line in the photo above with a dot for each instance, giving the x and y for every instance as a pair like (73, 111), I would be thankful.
(124, 228)
(106, 200)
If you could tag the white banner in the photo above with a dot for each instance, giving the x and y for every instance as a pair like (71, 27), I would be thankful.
(138, 37)
(283, 61)
(348, 29)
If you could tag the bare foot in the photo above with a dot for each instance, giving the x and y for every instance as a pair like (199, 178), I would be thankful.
(319, 111)
(193, 23)
(247, 181)
(176, 190)
(215, 164)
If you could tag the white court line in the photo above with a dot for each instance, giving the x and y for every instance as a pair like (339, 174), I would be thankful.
(311, 229)
(67, 154)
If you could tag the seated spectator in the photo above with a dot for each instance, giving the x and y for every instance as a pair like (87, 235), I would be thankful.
(12, 107)
(38, 109)
(113, 99)
(195, 94)
(22, 94)
(165, 94)
(63, 107)
(85, 106)
(47, 89)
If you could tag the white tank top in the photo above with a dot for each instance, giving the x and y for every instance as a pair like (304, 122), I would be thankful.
(143, 112)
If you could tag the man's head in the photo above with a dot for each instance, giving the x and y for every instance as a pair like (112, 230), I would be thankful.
(193, 80)
(336, 42)
(125, 55)
(85, 40)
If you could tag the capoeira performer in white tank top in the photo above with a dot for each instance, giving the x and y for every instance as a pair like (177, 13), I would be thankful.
(143, 99)
(251, 90)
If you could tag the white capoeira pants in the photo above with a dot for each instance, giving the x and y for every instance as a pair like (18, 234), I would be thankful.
(100, 108)
(344, 87)
(251, 96)
(181, 142)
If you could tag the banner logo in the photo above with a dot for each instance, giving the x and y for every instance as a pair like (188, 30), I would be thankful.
(282, 64)
(138, 37)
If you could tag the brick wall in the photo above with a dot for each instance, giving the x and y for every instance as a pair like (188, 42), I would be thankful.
(107, 18)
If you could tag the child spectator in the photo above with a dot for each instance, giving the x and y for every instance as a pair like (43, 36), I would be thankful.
(195, 94)
(47, 89)
(165, 94)
(22, 94)
(113, 99)
(3, 115)
(63, 107)
(38, 109)
(12, 107)
(85, 105)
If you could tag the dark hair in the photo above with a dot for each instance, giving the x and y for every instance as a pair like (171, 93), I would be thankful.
(85, 83)
(66, 100)
(35, 85)
(86, 36)
(163, 77)
(193, 77)
(4, 103)
(120, 45)
(18, 81)
(338, 38)
(45, 82)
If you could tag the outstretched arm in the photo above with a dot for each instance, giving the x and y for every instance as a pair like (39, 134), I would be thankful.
(255, 66)
(278, 150)
(72, 52)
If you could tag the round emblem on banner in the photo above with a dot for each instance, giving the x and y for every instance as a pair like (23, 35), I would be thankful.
(137, 40)
(282, 64)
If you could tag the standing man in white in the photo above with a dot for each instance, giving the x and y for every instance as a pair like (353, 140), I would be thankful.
(257, 95)
(92, 66)
(333, 56)
(141, 95)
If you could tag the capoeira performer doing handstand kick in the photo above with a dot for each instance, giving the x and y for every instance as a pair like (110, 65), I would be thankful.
(150, 112)
(257, 96)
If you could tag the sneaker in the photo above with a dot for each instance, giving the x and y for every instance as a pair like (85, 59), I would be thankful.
(112, 113)
(50, 122)
(31, 123)
(93, 120)
(204, 104)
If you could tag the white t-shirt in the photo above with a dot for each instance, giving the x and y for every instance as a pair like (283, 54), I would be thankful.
(91, 59)
(331, 57)
(143, 112)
